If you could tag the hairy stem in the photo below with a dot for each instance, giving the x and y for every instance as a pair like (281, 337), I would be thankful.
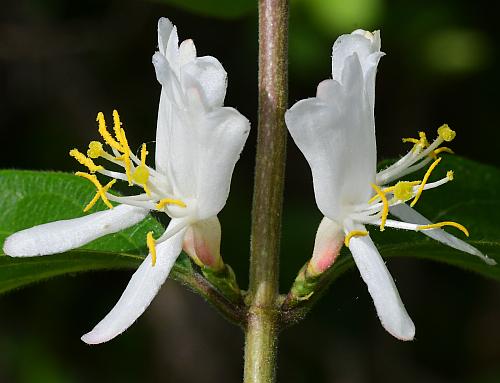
(262, 322)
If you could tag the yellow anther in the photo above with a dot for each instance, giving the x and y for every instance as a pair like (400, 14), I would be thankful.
(101, 190)
(446, 223)
(117, 125)
(150, 241)
(95, 149)
(103, 131)
(391, 189)
(424, 181)
(124, 147)
(446, 133)
(385, 208)
(403, 190)
(169, 201)
(98, 195)
(443, 149)
(423, 139)
(412, 140)
(141, 173)
(81, 158)
(141, 176)
(144, 153)
(450, 175)
(354, 233)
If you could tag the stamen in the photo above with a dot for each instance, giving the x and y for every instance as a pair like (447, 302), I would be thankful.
(446, 223)
(117, 125)
(141, 173)
(150, 241)
(423, 140)
(443, 149)
(169, 201)
(446, 133)
(101, 190)
(424, 181)
(403, 190)
(385, 208)
(81, 158)
(354, 233)
(391, 189)
(125, 149)
(141, 176)
(450, 175)
(103, 131)
(420, 143)
(95, 149)
(412, 140)
(144, 153)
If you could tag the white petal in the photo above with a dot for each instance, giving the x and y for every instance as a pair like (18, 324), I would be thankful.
(367, 46)
(406, 213)
(140, 291)
(390, 308)
(59, 236)
(210, 76)
(216, 148)
(187, 52)
(177, 146)
(336, 133)
(165, 27)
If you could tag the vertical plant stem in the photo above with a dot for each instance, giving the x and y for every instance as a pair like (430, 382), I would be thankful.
(261, 331)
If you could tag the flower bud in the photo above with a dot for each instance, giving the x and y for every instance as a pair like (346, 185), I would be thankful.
(327, 245)
(202, 243)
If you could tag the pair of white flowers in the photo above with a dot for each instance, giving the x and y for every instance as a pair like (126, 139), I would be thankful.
(198, 142)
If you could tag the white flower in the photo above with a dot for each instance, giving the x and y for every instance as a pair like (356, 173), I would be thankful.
(336, 133)
(198, 142)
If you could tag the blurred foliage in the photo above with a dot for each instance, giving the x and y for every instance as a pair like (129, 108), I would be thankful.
(215, 8)
(457, 51)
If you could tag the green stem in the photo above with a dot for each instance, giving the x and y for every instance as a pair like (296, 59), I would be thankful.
(261, 330)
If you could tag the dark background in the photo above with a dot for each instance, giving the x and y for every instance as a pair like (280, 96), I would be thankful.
(62, 61)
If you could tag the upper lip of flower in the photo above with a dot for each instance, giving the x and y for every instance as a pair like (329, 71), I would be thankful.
(336, 132)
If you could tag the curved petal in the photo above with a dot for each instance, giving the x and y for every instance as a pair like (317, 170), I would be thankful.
(59, 236)
(390, 308)
(336, 133)
(407, 214)
(165, 28)
(367, 46)
(210, 77)
(220, 137)
(140, 291)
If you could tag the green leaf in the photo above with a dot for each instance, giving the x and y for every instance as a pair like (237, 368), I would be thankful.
(226, 9)
(29, 198)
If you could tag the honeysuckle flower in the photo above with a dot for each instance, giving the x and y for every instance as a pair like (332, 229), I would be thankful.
(198, 142)
(336, 133)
